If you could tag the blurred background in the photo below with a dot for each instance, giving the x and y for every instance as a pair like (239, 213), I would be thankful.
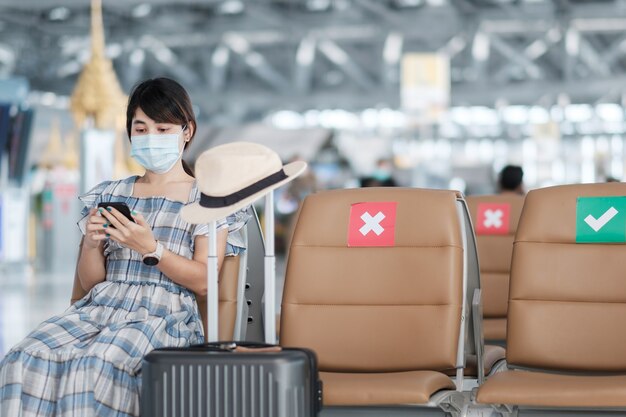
(418, 93)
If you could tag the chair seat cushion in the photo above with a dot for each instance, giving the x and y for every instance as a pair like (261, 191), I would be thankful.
(392, 388)
(552, 390)
(493, 354)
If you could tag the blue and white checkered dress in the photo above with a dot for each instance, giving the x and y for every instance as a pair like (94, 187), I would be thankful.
(87, 361)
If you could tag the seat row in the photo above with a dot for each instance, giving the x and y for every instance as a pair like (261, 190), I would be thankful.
(383, 284)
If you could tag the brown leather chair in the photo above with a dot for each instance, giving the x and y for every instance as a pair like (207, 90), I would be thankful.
(567, 309)
(229, 278)
(494, 253)
(384, 321)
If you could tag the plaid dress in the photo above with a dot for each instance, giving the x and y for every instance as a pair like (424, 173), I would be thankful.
(87, 361)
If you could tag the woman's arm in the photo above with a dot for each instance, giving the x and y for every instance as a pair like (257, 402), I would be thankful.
(91, 269)
(192, 274)
(138, 236)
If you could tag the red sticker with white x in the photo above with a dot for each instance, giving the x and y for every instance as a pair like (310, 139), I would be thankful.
(372, 224)
(493, 219)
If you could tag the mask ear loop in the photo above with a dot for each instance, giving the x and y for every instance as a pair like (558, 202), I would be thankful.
(185, 128)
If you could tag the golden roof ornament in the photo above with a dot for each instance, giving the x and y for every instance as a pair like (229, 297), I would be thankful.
(53, 155)
(98, 93)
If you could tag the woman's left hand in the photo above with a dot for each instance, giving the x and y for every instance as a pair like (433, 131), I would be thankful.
(137, 236)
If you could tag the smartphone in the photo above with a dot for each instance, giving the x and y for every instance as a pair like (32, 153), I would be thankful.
(121, 207)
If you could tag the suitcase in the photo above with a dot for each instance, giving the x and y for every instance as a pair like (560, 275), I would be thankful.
(216, 380)
(233, 379)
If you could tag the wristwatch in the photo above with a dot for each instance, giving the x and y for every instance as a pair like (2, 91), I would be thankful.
(153, 258)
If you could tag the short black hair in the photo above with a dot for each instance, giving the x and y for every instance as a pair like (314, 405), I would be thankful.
(163, 100)
(511, 177)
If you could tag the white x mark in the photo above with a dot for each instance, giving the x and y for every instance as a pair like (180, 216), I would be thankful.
(372, 223)
(493, 218)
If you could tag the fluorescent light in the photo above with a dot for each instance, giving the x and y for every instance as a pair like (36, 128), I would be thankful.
(306, 52)
(610, 112)
(59, 14)
(480, 49)
(137, 57)
(317, 5)
(142, 10)
(220, 56)
(392, 50)
(231, 7)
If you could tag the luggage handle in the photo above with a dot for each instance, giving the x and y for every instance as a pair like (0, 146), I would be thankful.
(270, 278)
(240, 347)
(271, 349)
(247, 347)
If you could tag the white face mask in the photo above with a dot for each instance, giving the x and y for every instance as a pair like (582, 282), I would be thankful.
(156, 152)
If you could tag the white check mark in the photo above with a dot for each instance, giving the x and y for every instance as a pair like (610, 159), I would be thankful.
(597, 224)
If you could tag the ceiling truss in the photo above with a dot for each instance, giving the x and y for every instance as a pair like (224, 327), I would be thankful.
(278, 55)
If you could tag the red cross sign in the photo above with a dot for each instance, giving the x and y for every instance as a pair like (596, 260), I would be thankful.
(372, 224)
(493, 219)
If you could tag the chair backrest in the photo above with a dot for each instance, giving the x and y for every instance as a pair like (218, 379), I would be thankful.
(494, 237)
(228, 288)
(227, 309)
(567, 302)
(376, 309)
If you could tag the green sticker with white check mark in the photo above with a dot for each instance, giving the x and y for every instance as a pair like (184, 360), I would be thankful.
(601, 220)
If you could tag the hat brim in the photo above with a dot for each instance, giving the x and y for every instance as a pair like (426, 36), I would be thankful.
(196, 214)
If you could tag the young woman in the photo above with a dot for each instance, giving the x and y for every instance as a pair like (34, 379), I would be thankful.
(141, 276)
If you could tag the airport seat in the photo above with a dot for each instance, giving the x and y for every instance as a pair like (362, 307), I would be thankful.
(495, 247)
(228, 294)
(385, 322)
(567, 308)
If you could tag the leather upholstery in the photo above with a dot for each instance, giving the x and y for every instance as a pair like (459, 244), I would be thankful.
(229, 277)
(567, 308)
(367, 310)
(494, 253)
(227, 309)
(493, 329)
(491, 356)
(414, 387)
(567, 300)
(552, 390)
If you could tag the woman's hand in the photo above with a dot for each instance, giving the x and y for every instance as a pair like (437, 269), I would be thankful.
(137, 236)
(94, 234)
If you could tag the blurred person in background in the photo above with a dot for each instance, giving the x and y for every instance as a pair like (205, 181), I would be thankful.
(382, 175)
(141, 276)
(511, 180)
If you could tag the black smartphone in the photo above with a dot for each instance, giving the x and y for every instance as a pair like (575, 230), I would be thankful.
(121, 207)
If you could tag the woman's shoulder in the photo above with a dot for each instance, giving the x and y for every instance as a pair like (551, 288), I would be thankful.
(112, 187)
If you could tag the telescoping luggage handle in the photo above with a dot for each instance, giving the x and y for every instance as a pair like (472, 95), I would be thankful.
(270, 278)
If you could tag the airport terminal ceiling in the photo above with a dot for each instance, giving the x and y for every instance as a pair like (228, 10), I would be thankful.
(246, 58)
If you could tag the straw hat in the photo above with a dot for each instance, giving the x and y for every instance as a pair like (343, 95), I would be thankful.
(232, 176)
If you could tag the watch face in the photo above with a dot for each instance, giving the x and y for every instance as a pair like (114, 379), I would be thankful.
(150, 260)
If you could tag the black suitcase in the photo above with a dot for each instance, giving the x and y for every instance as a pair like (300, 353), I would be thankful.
(219, 380)
(215, 380)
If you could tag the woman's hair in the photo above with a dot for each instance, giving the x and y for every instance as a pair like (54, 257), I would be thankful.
(164, 101)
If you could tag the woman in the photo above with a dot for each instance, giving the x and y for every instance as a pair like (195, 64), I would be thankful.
(141, 277)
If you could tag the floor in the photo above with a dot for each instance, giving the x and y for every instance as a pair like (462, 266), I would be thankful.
(27, 298)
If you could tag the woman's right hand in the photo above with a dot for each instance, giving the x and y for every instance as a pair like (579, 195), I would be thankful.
(95, 232)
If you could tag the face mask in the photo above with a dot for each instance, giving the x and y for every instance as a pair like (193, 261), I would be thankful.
(381, 174)
(156, 153)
